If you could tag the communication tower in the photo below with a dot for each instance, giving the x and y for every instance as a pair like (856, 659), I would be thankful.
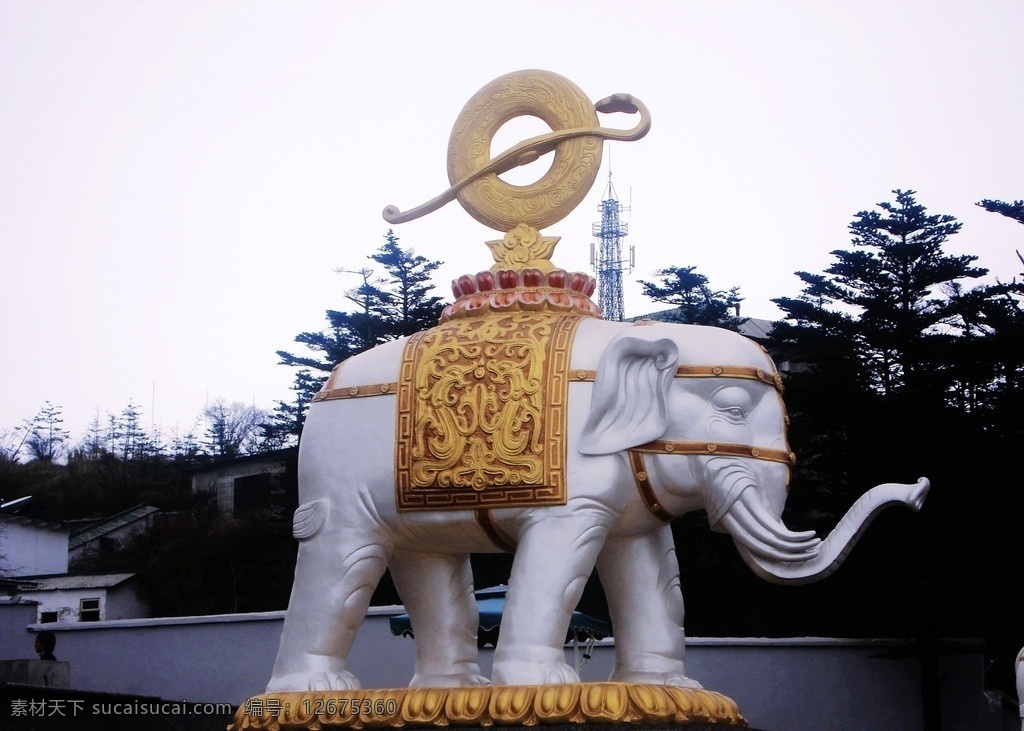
(606, 257)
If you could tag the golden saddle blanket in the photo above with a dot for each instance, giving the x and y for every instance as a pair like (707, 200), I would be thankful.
(482, 413)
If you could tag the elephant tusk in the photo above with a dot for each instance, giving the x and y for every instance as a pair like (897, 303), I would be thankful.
(750, 500)
(754, 538)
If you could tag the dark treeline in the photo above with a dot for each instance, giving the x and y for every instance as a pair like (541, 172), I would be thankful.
(118, 462)
(898, 363)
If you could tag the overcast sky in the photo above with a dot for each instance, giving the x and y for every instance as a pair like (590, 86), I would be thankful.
(180, 180)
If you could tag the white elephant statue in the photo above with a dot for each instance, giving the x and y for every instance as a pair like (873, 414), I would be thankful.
(1018, 670)
(657, 420)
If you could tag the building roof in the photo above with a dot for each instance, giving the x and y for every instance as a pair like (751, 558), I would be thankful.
(100, 528)
(753, 327)
(273, 455)
(750, 327)
(93, 581)
(14, 584)
(28, 520)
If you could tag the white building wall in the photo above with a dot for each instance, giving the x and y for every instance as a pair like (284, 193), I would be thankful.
(32, 548)
(118, 602)
(66, 602)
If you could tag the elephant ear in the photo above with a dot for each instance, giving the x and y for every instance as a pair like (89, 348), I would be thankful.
(630, 398)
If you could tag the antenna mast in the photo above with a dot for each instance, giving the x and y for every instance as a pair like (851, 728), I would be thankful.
(606, 258)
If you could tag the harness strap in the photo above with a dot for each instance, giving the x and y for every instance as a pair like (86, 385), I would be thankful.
(580, 375)
(660, 446)
(698, 371)
(755, 374)
(375, 389)
(498, 537)
(642, 479)
(643, 484)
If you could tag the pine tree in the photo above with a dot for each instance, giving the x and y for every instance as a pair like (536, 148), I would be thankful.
(46, 438)
(1013, 210)
(407, 306)
(874, 351)
(288, 417)
(889, 297)
(694, 301)
(386, 308)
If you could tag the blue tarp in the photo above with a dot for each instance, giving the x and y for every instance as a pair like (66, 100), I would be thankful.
(491, 602)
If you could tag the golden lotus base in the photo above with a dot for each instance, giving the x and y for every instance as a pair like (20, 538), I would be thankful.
(499, 705)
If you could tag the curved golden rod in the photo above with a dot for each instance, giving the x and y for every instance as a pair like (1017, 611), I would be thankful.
(529, 150)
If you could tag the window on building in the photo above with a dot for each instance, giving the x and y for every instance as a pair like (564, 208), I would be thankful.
(47, 617)
(89, 610)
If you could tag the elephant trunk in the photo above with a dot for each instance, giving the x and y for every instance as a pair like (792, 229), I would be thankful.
(831, 553)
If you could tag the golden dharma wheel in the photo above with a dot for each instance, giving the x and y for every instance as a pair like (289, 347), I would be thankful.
(577, 159)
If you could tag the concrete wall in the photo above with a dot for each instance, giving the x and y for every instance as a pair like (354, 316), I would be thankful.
(16, 642)
(784, 685)
(45, 673)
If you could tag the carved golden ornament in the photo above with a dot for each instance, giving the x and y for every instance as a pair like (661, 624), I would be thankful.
(486, 705)
(481, 413)
(576, 139)
(523, 247)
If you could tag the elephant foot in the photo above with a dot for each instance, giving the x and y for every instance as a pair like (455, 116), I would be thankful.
(518, 672)
(303, 682)
(447, 680)
(672, 678)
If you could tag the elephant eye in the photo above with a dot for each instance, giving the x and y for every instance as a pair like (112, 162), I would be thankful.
(732, 402)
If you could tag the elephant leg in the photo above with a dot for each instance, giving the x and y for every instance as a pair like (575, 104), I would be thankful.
(554, 558)
(335, 576)
(640, 576)
(437, 591)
